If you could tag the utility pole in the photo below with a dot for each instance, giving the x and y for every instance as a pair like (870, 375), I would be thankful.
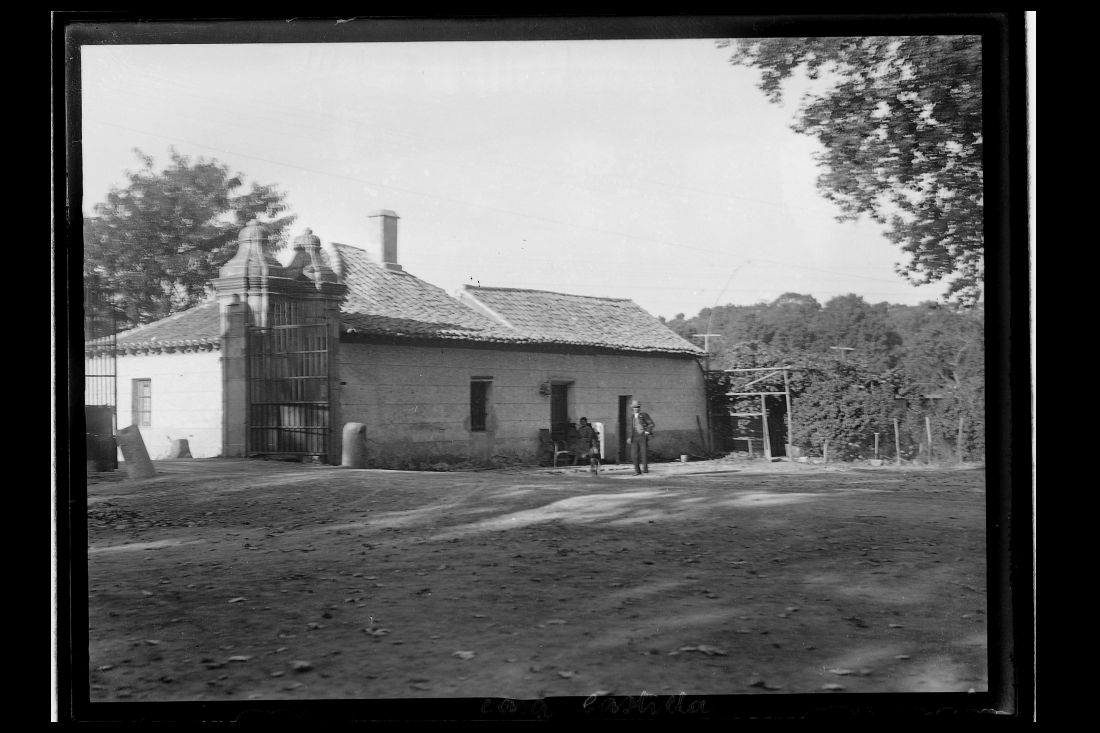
(790, 416)
(706, 374)
(706, 343)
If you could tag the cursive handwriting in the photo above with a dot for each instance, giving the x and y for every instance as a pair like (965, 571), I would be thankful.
(518, 708)
(646, 704)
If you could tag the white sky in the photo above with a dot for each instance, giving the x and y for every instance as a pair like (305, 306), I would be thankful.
(644, 169)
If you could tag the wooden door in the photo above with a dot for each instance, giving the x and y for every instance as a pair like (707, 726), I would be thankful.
(624, 425)
(559, 411)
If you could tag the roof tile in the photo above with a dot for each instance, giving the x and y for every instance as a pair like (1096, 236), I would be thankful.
(395, 303)
(616, 323)
(383, 302)
(194, 326)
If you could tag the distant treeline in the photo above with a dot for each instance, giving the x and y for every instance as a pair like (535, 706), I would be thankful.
(858, 367)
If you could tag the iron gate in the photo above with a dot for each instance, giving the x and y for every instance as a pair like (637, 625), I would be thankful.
(100, 379)
(288, 391)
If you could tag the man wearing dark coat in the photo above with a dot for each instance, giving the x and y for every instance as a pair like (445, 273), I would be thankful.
(641, 428)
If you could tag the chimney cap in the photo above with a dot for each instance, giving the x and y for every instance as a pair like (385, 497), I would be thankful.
(384, 212)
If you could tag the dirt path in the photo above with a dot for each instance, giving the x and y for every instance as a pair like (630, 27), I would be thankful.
(236, 580)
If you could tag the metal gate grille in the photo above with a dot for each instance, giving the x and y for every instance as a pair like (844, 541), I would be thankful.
(288, 390)
(100, 379)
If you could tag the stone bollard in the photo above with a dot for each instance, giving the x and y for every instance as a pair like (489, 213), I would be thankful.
(134, 455)
(354, 445)
(180, 449)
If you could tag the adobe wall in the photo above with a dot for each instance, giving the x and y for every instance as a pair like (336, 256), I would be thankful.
(415, 400)
(186, 400)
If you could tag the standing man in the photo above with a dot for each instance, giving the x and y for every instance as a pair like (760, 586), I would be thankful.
(641, 427)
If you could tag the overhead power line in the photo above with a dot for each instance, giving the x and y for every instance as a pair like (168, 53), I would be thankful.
(300, 118)
(465, 203)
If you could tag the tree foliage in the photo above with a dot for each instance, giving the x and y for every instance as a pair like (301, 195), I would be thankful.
(907, 363)
(900, 123)
(794, 325)
(154, 245)
(843, 404)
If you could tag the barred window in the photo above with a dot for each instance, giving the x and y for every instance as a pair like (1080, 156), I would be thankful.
(143, 402)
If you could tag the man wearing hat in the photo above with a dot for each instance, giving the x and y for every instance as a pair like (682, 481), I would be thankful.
(641, 427)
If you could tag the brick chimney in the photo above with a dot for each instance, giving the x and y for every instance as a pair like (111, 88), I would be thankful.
(388, 237)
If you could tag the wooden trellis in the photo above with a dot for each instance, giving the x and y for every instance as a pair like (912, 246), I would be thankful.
(764, 380)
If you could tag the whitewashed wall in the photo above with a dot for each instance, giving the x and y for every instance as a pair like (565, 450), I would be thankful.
(186, 400)
(415, 400)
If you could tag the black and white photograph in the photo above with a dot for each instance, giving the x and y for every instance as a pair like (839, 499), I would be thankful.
(540, 367)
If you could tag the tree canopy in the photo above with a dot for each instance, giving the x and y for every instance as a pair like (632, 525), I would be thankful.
(793, 326)
(901, 357)
(153, 246)
(900, 123)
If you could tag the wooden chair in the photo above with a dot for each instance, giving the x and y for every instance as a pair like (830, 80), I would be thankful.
(563, 436)
(561, 448)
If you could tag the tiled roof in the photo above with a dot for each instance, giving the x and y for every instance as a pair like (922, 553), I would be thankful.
(396, 304)
(385, 302)
(198, 327)
(616, 323)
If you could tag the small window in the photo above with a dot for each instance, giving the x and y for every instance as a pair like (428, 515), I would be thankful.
(143, 403)
(479, 402)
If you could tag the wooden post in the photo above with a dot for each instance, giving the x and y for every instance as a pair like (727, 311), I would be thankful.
(897, 443)
(825, 451)
(764, 428)
(790, 417)
(928, 431)
(959, 440)
(876, 446)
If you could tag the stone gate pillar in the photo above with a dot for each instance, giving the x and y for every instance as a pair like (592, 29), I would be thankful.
(235, 379)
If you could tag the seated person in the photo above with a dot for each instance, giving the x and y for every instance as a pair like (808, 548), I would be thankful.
(587, 439)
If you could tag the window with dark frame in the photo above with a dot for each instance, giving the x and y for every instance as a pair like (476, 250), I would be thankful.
(479, 402)
(142, 402)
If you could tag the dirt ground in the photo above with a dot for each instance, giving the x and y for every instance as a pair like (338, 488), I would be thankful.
(239, 580)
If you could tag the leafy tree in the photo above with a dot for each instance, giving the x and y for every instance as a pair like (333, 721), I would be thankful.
(849, 320)
(944, 353)
(683, 327)
(155, 245)
(793, 325)
(909, 363)
(787, 324)
(845, 414)
(900, 122)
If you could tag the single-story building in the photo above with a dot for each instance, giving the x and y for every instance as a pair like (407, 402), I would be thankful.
(286, 355)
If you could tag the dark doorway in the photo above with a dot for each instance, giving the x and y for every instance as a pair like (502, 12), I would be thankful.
(559, 412)
(777, 426)
(102, 450)
(624, 425)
